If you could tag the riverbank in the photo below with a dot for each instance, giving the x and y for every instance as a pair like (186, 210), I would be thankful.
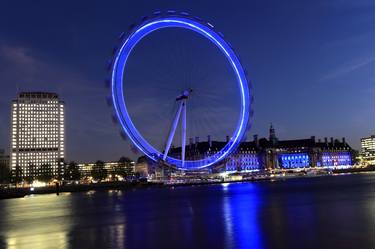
(336, 209)
(19, 192)
(13, 192)
(370, 168)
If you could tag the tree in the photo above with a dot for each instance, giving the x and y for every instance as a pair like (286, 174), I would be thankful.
(98, 171)
(61, 167)
(32, 173)
(124, 167)
(142, 159)
(17, 175)
(4, 173)
(45, 173)
(72, 172)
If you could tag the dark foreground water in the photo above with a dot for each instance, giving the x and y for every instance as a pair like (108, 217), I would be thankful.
(325, 212)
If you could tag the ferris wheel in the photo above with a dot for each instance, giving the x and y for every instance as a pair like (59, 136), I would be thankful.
(183, 96)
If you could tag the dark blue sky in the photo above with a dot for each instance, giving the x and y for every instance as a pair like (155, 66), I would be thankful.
(312, 63)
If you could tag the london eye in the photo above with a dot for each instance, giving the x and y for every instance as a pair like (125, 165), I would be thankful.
(184, 95)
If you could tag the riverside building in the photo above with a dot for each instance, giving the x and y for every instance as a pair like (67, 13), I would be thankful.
(272, 153)
(367, 156)
(111, 168)
(37, 133)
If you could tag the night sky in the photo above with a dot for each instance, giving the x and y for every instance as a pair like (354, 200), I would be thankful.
(312, 63)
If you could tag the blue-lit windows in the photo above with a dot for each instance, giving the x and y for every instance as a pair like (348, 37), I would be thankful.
(298, 160)
(330, 159)
(243, 161)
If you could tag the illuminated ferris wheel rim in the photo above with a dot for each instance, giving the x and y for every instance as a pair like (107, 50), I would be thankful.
(173, 20)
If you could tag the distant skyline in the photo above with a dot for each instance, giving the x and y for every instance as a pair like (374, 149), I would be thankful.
(312, 64)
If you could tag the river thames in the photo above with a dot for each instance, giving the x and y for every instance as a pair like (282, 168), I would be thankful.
(320, 212)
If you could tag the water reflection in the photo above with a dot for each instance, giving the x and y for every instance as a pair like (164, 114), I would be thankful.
(303, 213)
(240, 209)
(36, 222)
(99, 220)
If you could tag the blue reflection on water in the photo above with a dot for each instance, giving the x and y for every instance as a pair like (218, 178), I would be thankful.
(240, 210)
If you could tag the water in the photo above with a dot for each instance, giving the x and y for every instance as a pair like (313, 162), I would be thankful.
(324, 212)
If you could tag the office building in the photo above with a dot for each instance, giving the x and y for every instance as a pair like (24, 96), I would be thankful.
(367, 155)
(37, 133)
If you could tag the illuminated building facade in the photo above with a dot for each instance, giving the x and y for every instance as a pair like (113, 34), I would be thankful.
(110, 167)
(367, 155)
(273, 153)
(294, 160)
(245, 158)
(290, 154)
(305, 153)
(37, 133)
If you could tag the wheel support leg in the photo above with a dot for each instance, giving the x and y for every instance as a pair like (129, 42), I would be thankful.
(172, 131)
(183, 130)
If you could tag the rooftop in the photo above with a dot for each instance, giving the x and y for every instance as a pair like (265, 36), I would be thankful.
(264, 143)
(37, 95)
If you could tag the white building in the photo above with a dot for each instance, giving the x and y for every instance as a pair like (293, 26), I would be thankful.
(368, 150)
(37, 132)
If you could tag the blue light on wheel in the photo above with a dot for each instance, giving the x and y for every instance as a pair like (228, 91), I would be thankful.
(118, 67)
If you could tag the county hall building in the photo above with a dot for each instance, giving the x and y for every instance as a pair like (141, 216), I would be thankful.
(273, 153)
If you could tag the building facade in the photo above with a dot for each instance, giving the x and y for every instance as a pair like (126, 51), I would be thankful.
(111, 168)
(272, 153)
(37, 133)
(306, 153)
(367, 155)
